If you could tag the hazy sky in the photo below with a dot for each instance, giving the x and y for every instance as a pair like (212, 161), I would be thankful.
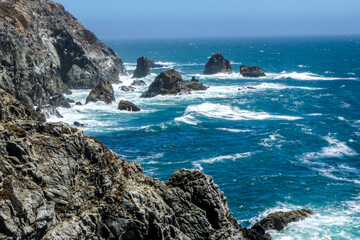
(215, 18)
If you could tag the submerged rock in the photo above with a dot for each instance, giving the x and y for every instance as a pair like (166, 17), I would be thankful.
(127, 88)
(78, 104)
(45, 50)
(217, 64)
(59, 100)
(78, 124)
(103, 92)
(279, 220)
(49, 111)
(138, 83)
(246, 71)
(128, 106)
(167, 82)
(195, 85)
(142, 68)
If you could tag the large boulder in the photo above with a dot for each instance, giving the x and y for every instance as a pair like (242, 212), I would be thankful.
(217, 64)
(59, 100)
(103, 92)
(167, 82)
(45, 50)
(254, 71)
(127, 88)
(142, 68)
(128, 106)
(279, 220)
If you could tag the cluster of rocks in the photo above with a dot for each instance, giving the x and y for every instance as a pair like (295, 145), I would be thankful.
(56, 183)
(170, 82)
(218, 64)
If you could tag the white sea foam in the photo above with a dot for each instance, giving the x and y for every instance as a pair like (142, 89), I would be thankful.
(273, 140)
(303, 66)
(197, 164)
(307, 76)
(235, 130)
(226, 112)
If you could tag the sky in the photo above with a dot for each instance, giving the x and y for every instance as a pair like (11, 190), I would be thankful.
(131, 19)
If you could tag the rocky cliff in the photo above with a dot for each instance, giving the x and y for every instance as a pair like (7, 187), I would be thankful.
(56, 183)
(45, 50)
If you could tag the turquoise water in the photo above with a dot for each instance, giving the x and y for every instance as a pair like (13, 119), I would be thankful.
(292, 142)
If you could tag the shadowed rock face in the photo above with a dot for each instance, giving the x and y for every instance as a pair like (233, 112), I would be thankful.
(251, 71)
(103, 92)
(167, 82)
(279, 220)
(128, 106)
(142, 68)
(45, 50)
(217, 64)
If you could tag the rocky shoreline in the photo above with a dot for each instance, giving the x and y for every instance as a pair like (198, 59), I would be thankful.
(57, 183)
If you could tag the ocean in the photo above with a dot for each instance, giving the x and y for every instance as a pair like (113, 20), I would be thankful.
(291, 142)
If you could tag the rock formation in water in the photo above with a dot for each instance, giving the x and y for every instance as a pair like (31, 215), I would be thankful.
(170, 82)
(127, 88)
(246, 71)
(128, 106)
(217, 64)
(44, 50)
(59, 100)
(153, 64)
(279, 220)
(142, 68)
(48, 111)
(103, 92)
(138, 83)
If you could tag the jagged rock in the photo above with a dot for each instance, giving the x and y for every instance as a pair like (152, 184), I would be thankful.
(279, 220)
(77, 124)
(128, 106)
(167, 82)
(138, 83)
(45, 50)
(153, 64)
(49, 111)
(59, 100)
(103, 92)
(217, 64)
(142, 68)
(127, 88)
(70, 100)
(78, 104)
(195, 85)
(193, 79)
(251, 71)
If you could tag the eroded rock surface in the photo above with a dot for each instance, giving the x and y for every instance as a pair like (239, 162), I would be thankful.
(45, 50)
(246, 71)
(103, 92)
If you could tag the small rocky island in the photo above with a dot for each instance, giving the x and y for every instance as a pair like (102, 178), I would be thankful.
(142, 68)
(252, 72)
(57, 183)
(217, 64)
(170, 82)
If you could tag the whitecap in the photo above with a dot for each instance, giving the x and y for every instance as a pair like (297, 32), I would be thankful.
(307, 76)
(197, 164)
(235, 130)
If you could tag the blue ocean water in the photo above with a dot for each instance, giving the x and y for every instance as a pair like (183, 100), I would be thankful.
(292, 142)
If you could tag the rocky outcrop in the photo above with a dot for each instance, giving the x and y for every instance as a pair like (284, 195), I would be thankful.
(49, 111)
(142, 68)
(195, 85)
(59, 100)
(128, 106)
(246, 71)
(138, 83)
(217, 64)
(127, 88)
(279, 220)
(45, 50)
(56, 183)
(167, 82)
(103, 92)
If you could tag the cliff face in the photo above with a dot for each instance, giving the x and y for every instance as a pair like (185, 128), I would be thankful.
(44, 50)
(56, 183)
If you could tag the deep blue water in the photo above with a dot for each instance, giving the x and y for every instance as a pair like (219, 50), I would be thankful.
(292, 142)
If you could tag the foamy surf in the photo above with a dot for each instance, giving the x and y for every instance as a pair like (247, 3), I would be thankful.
(307, 76)
(198, 164)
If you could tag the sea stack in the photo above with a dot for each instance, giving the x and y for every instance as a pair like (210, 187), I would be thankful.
(103, 92)
(217, 64)
(142, 68)
(167, 82)
(255, 71)
(128, 106)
